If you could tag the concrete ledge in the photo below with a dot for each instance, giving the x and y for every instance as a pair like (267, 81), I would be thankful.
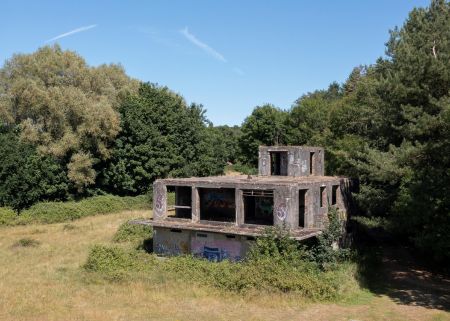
(257, 230)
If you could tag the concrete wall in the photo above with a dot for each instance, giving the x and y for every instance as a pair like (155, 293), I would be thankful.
(298, 158)
(212, 246)
(286, 202)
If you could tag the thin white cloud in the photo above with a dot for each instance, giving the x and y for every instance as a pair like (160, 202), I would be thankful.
(239, 71)
(193, 39)
(81, 29)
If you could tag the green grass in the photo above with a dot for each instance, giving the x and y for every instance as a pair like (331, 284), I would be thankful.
(58, 212)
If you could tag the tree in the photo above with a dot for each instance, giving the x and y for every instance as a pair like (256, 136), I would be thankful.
(63, 106)
(265, 126)
(225, 140)
(400, 107)
(161, 136)
(26, 177)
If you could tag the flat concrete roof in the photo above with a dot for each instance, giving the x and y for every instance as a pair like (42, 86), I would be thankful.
(254, 179)
(257, 230)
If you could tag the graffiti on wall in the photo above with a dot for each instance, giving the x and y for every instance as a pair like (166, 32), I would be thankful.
(171, 248)
(281, 212)
(219, 199)
(216, 250)
(304, 166)
(159, 204)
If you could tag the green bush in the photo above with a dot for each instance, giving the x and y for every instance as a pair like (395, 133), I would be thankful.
(128, 232)
(327, 252)
(276, 263)
(116, 263)
(7, 216)
(242, 168)
(27, 242)
(58, 212)
(108, 259)
(27, 177)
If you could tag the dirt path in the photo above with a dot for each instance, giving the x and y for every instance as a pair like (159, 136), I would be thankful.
(408, 282)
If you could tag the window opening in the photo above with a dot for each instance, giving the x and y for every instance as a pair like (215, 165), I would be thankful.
(302, 207)
(217, 204)
(278, 163)
(179, 202)
(258, 207)
(323, 196)
(334, 194)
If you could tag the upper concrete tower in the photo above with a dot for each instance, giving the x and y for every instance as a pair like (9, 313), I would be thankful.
(296, 161)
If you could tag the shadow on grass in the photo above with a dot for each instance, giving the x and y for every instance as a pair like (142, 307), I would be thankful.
(147, 245)
(386, 267)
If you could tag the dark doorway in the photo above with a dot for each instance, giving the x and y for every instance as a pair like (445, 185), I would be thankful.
(334, 194)
(302, 207)
(258, 207)
(217, 204)
(278, 163)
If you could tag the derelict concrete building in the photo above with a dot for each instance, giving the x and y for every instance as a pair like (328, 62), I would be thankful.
(218, 217)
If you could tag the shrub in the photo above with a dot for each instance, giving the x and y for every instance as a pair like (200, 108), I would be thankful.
(265, 274)
(327, 252)
(27, 242)
(277, 244)
(58, 212)
(128, 232)
(106, 259)
(115, 263)
(7, 216)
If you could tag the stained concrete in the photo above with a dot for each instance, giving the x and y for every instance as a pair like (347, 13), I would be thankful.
(304, 170)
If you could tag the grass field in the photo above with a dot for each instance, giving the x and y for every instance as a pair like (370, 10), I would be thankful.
(41, 279)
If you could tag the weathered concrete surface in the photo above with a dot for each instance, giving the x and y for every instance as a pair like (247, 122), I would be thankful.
(298, 160)
(286, 196)
(226, 237)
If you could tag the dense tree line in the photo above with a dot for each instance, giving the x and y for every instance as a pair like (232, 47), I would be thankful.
(69, 130)
(388, 125)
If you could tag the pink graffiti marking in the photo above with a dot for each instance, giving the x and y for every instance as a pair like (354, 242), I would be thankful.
(159, 204)
(281, 212)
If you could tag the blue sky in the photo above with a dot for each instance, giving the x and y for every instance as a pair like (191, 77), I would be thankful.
(229, 56)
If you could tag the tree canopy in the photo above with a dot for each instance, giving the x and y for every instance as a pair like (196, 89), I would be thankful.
(63, 106)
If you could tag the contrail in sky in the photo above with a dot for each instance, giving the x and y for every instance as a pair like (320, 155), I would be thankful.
(74, 31)
(193, 39)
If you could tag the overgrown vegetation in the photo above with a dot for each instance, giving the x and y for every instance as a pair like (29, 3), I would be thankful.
(276, 263)
(57, 212)
(129, 232)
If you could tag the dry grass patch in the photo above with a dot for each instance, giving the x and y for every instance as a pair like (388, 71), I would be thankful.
(46, 283)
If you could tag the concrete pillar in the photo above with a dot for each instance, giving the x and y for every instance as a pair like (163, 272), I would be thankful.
(195, 205)
(159, 201)
(282, 207)
(239, 199)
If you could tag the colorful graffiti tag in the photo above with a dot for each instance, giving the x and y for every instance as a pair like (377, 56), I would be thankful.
(216, 250)
(219, 199)
(159, 204)
(171, 248)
